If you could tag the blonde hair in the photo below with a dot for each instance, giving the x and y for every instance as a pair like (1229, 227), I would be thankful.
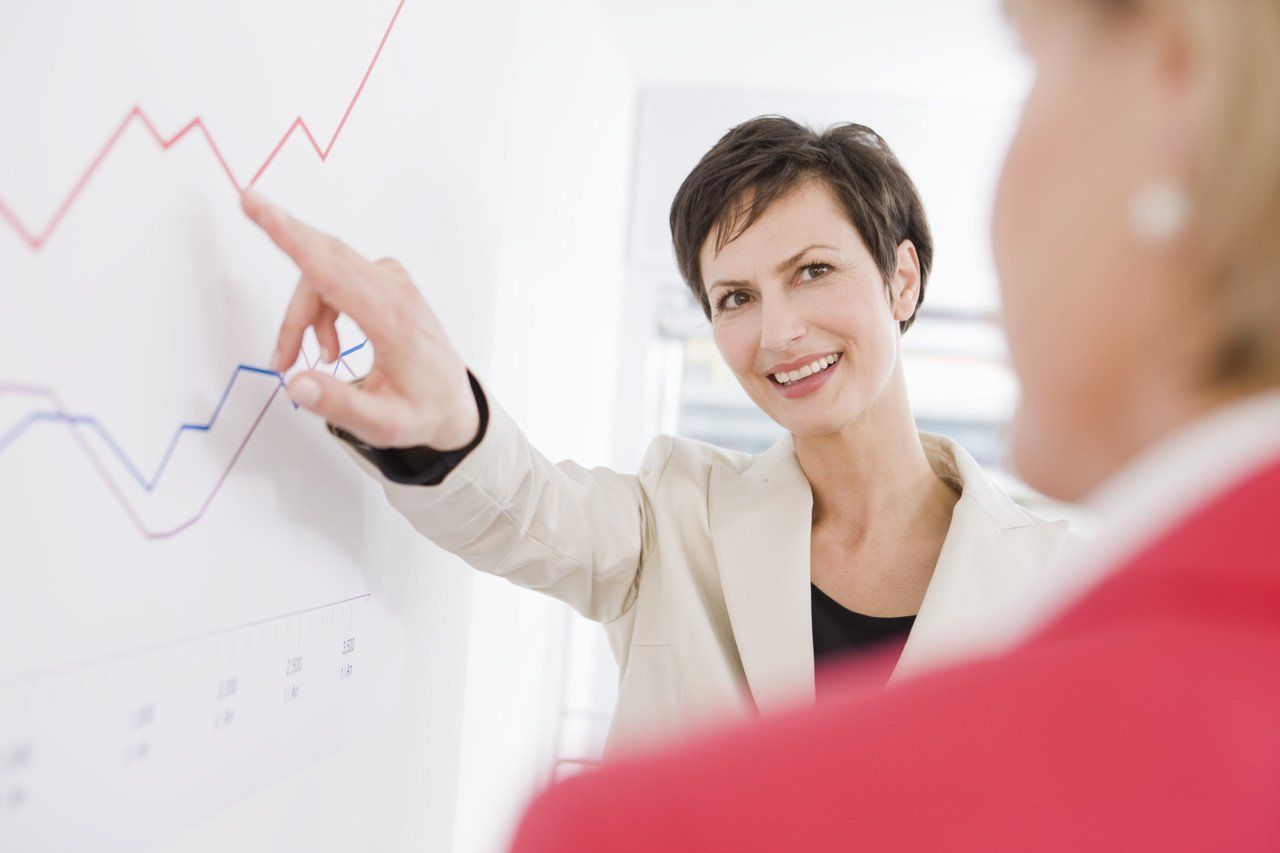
(1238, 189)
(1236, 185)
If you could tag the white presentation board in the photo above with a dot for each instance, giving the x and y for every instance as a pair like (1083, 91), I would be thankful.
(173, 534)
(188, 571)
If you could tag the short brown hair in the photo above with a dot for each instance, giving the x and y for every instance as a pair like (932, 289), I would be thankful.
(761, 160)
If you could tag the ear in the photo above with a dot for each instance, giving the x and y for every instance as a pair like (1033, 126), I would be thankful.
(904, 287)
(1177, 85)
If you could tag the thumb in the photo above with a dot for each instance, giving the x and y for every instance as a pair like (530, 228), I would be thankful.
(374, 419)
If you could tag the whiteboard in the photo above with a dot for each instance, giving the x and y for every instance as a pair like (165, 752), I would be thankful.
(187, 572)
(216, 634)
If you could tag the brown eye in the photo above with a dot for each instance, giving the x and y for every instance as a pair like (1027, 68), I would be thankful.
(812, 271)
(735, 299)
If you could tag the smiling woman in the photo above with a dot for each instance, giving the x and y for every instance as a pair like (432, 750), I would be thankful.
(810, 253)
(720, 576)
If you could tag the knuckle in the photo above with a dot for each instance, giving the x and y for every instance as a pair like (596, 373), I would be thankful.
(395, 278)
(407, 292)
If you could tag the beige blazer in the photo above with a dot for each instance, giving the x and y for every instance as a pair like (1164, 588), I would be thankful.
(698, 566)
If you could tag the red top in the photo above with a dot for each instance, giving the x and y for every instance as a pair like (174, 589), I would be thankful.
(1146, 717)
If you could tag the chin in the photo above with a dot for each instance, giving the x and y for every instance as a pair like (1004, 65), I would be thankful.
(1042, 459)
(810, 424)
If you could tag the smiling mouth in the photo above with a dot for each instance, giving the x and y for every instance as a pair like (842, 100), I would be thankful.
(815, 366)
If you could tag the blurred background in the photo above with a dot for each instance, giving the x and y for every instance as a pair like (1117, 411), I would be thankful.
(521, 159)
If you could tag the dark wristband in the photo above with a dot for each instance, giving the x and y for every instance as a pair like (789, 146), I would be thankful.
(420, 466)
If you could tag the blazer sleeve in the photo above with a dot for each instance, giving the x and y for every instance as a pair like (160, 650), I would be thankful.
(578, 534)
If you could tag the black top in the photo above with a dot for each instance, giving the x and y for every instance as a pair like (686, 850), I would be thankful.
(837, 630)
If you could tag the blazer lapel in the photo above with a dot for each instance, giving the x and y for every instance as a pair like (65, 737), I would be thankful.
(760, 526)
(761, 519)
(994, 555)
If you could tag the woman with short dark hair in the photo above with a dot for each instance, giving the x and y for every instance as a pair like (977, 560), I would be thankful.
(720, 576)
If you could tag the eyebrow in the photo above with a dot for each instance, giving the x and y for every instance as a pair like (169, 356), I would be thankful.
(789, 262)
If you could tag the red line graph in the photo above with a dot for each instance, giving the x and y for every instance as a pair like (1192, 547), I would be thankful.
(36, 239)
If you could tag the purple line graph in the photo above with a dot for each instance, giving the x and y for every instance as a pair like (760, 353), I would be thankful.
(58, 412)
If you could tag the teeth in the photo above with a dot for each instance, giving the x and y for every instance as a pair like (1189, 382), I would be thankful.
(809, 369)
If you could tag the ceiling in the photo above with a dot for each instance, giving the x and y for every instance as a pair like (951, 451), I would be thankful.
(881, 48)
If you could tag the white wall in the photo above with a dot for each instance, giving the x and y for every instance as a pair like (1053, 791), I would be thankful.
(559, 294)
(866, 48)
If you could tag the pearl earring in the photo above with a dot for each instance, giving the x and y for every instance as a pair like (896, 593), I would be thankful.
(1160, 210)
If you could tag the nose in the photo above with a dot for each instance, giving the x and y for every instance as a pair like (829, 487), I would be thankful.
(781, 324)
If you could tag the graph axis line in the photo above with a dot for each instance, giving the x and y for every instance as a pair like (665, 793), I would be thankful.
(22, 678)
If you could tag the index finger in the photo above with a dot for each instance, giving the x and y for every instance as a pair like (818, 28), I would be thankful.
(296, 239)
(341, 275)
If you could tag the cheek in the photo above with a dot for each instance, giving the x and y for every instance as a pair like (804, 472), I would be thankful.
(1015, 245)
(1019, 243)
(737, 342)
(860, 315)
(1057, 230)
(1035, 294)
(1070, 281)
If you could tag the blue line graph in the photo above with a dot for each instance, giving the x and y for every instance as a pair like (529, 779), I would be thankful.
(149, 483)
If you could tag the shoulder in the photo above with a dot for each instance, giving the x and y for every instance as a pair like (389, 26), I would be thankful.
(1113, 700)
(955, 465)
(671, 457)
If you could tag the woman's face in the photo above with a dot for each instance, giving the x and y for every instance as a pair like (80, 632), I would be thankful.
(799, 293)
(1090, 309)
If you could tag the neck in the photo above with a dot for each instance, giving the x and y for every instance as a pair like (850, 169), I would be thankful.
(873, 470)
